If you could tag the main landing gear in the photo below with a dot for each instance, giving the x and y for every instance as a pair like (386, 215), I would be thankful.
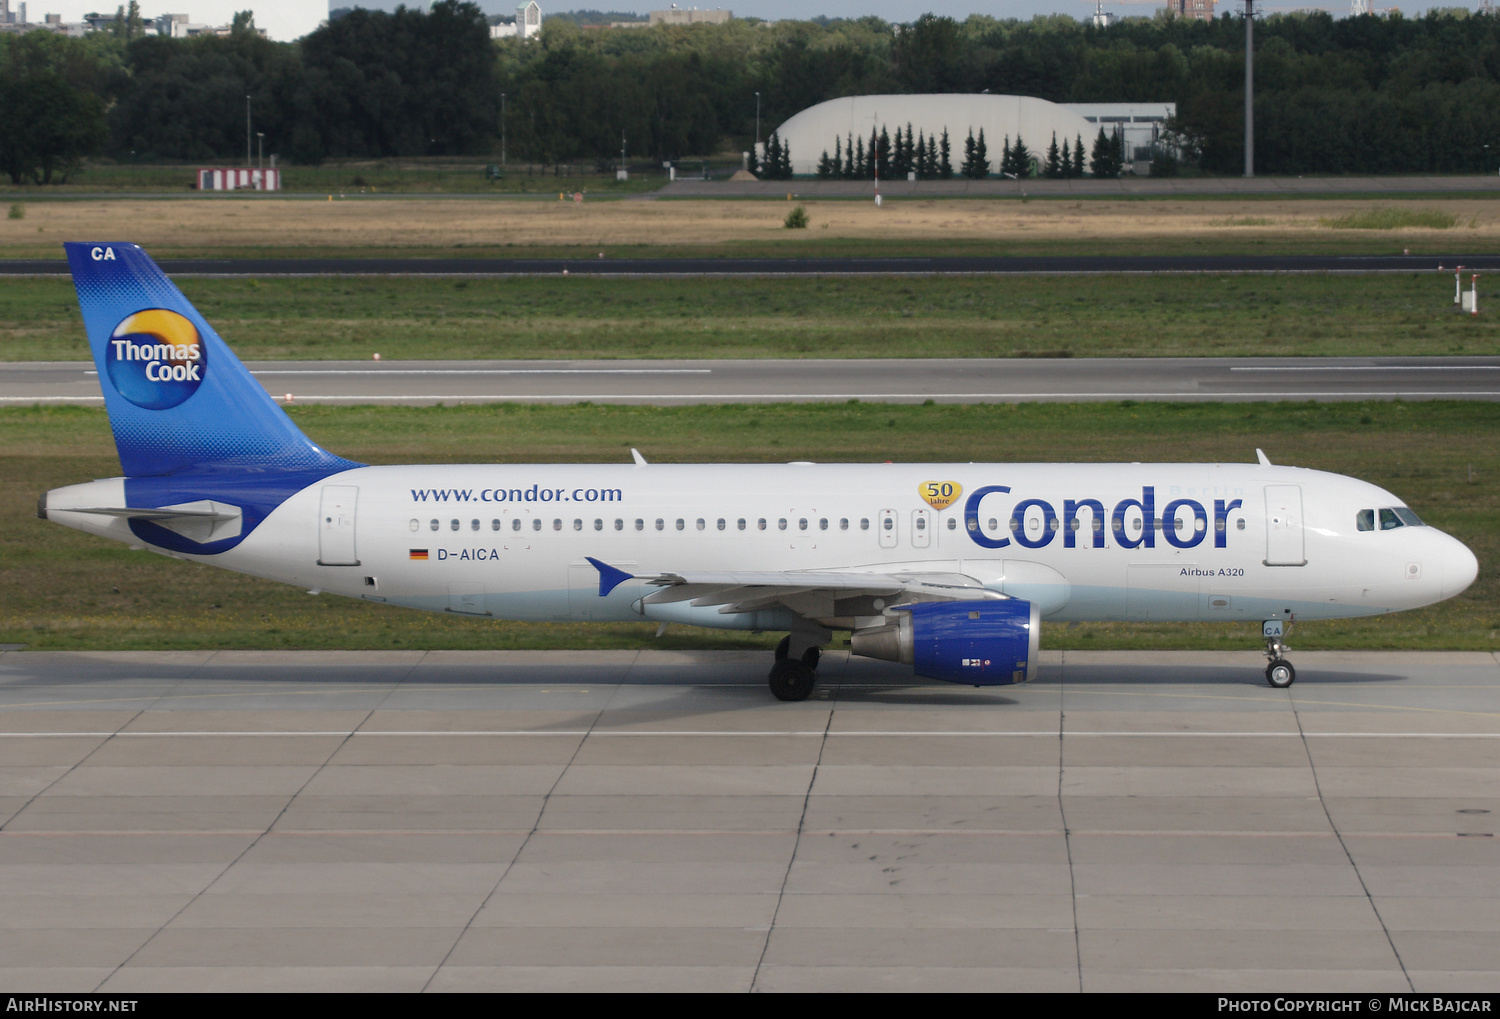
(1279, 673)
(795, 671)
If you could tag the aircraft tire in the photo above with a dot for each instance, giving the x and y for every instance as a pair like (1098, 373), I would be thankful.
(1280, 674)
(792, 680)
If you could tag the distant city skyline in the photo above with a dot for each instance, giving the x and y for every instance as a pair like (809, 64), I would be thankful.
(285, 20)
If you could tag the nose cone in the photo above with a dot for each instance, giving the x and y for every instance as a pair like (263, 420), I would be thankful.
(1459, 568)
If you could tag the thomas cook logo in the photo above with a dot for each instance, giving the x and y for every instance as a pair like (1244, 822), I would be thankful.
(156, 359)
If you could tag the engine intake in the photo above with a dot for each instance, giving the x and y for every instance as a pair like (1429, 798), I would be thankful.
(980, 643)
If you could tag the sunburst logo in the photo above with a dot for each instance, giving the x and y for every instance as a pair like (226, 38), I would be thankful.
(156, 359)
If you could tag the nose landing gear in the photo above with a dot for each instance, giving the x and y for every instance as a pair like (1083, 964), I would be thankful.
(1279, 673)
(795, 670)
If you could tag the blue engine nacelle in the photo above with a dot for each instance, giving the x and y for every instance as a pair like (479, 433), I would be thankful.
(980, 643)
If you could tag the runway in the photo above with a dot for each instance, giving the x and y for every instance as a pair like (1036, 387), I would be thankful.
(954, 380)
(654, 820)
(998, 265)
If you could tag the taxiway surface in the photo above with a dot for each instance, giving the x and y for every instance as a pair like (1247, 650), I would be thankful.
(951, 380)
(564, 820)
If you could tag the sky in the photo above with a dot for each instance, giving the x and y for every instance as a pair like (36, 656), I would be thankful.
(285, 20)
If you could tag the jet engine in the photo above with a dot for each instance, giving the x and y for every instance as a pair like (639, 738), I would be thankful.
(980, 643)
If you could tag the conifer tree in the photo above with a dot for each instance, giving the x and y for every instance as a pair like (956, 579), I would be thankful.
(1007, 167)
(786, 161)
(850, 171)
(1101, 157)
(838, 157)
(872, 155)
(1054, 160)
(1066, 167)
(1020, 159)
(860, 170)
(884, 154)
(967, 169)
(924, 171)
(981, 157)
(1078, 156)
(941, 157)
(825, 166)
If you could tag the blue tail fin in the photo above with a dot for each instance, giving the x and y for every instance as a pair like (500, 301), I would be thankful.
(178, 399)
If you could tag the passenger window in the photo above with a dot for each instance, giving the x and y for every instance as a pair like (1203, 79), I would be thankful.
(802, 524)
(577, 524)
(434, 525)
(474, 525)
(556, 524)
(536, 525)
(993, 524)
(416, 525)
(888, 523)
(843, 523)
(1365, 520)
(598, 524)
(864, 523)
(700, 523)
(953, 523)
(760, 525)
(453, 525)
(619, 524)
(742, 523)
(921, 523)
(640, 525)
(781, 524)
(660, 523)
(681, 523)
(1389, 520)
(721, 523)
(515, 524)
(1239, 525)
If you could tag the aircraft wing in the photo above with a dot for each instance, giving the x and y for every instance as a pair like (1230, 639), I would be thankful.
(810, 593)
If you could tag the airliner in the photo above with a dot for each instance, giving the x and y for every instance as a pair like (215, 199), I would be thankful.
(950, 568)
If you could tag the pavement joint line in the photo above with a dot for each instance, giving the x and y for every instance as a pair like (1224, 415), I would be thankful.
(1312, 766)
(744, 732)
(786, 875)
(536, 826)
(253, 842)
(1175, 833)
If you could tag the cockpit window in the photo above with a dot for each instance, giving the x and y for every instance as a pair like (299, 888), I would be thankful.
(1388, 519)
(1365, 520)
(1407, 517)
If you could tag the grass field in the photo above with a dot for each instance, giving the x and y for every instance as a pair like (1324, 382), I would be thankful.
(588, 317)
(363, 226)
(66, 590)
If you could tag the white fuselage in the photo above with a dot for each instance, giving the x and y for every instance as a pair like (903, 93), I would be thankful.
(1242, 542)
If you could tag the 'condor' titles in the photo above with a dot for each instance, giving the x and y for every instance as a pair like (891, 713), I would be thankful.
(1134, 523)
(156, 359)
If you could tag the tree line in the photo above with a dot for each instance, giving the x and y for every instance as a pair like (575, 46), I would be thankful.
(1371, 94)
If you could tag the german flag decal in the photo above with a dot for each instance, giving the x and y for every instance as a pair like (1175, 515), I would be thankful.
(417, 553)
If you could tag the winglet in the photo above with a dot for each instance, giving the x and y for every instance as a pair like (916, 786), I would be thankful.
(635, 455)
(609, 577)
(1260, 455)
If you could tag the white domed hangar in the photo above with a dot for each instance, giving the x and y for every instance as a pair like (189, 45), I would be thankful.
(819, 128)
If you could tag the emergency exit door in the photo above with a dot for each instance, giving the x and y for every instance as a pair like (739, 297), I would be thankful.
(336, 526)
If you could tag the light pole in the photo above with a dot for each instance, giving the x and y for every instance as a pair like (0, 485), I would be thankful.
(260, 159)
(247, 131)
(757, 126)
(1249, 88)
(502, 129)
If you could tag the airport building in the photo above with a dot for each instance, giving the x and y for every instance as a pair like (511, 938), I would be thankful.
(817, 129)
(528, 23)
